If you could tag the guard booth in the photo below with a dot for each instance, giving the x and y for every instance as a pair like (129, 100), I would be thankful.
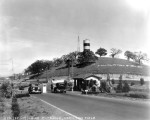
(44, 88)
(82, 81)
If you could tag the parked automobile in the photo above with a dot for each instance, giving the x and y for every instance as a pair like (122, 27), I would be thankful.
(58, 87)
(34, 89)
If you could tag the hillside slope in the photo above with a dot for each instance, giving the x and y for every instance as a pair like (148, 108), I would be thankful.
(104, 65)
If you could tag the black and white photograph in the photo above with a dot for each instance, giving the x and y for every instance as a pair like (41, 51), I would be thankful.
(74, 59)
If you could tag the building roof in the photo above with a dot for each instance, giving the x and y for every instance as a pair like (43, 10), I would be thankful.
(59, 78)
(84, 76)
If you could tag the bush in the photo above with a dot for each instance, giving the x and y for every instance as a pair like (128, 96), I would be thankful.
(93, 88)
(104, 87)
(132, 83)
(65, 84)
(91, 83)
(113, 81)
(8, 94)
(6, 90)
(120, 86)
(126, 87)
(14, 100)
(142, 81)
(15, 109)
(22, 95)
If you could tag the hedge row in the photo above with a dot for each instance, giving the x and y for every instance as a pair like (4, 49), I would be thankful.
(15, 109)
(22, 95)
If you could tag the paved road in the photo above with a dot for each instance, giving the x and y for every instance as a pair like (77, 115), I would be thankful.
(100, 108)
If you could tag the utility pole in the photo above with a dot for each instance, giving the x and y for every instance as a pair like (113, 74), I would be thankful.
(72, 68)
(46, 74)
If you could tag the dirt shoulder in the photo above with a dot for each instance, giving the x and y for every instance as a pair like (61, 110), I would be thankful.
(32, 109)
(5, 109)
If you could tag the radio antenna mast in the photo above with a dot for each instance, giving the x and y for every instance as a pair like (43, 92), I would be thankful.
(78, 47)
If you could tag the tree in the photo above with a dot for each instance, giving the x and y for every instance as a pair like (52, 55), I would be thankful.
(57, 62)
(72, 57)
(129, 55)
(48, 64)
(101, 52)
(133, 56)
(115, 52)
(38, 66)
(86, 57)
(139, 56)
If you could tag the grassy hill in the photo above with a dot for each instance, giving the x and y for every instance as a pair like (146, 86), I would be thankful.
(103, 65)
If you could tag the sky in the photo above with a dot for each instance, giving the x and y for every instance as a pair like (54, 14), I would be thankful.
(33, 30)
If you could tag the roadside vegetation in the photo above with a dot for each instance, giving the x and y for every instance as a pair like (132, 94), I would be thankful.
(5, 100)
(122, 88)
(17, 104)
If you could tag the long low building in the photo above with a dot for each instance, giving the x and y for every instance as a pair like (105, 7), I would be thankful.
(129, 70)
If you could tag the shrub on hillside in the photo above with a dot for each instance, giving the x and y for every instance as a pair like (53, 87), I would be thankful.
(126, 87)
(142, 81)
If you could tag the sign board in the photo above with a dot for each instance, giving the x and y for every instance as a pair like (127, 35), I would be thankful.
(44, 88)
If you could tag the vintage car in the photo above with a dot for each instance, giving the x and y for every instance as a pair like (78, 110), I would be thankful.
(34, 89)
(58, 87)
